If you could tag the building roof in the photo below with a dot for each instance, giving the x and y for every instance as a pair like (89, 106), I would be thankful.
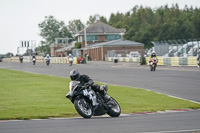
(100, 27)
(114, 43)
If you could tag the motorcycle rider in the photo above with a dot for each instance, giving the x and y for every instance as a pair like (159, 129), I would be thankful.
(34, 59)
(70, 59)
(47, 58)
(21, 58)
(86, 81)
(153, 54)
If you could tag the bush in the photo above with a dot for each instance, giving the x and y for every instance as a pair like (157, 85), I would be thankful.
(142, 61)
(77, 45)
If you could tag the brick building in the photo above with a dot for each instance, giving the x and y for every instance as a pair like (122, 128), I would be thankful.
(98, 51)
(101, 38)
(99, 32)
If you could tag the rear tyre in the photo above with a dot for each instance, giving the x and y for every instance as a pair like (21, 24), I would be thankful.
(83, 108)
(116, 110)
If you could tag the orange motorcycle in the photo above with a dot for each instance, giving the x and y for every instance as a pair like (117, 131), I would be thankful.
(153, 64)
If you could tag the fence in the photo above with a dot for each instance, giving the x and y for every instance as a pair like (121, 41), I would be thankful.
(176, 61)
(167, 61)
(176, 48)
(124, 59)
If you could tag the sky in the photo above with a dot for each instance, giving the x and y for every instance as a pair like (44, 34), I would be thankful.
(19, 19)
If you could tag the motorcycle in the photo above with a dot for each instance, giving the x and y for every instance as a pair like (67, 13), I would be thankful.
(153, 64)
(85, 100)
(47, 61)
(198, 64)
(21, 59)
(70, 61)
(34, 61)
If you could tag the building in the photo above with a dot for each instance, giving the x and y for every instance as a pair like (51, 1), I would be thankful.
(97, 33)
(99, 51)
(99, 38)
(59, 47)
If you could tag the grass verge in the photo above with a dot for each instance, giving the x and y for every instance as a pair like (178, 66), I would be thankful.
(32, 96)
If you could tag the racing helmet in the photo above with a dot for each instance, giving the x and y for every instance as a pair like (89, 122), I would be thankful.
(74, 74)
(153, 52)
(70, 54)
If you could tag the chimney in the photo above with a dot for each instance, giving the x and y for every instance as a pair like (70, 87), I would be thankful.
(122, 35)
(97, 18)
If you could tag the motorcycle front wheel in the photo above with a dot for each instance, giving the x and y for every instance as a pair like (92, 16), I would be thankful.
(83, 108)
(115, 111)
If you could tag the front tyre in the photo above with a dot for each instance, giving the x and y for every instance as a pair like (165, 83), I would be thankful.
(83, 108)
(115, 111)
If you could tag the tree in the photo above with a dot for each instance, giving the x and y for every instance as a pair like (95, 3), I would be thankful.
(51, 28)
(92, 19)
(77, 45)
(43, 49)
(75, 26)
(145, 24)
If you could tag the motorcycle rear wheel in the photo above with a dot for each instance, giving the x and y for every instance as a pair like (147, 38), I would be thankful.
(83, 108)
(116, 110)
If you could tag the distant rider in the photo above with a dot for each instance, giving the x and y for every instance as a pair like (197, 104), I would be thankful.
(70, 59)
(34, 59)
(21, 58)
(153, 54)
(47, 57)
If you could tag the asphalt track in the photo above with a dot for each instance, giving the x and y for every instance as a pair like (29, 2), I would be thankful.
(182, 82)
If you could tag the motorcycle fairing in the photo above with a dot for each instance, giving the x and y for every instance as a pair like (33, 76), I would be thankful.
(91, 95)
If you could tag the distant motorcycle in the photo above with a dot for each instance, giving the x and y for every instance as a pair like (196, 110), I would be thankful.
(34, 61)
(85, 99)
(70, 61)
(153, 64)
(47, 61)
(21, 59)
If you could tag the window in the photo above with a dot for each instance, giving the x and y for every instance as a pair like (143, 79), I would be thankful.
(111, 37)
(59, 41)
(64, 41)
(92, 38)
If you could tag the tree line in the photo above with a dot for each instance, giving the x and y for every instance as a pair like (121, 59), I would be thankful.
(142, 24)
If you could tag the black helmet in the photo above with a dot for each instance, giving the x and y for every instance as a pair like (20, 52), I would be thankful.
(74, 74)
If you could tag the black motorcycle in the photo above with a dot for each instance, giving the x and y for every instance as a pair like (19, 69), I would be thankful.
(34, 61)
(47, 61)
(21, 59)
(89, 103)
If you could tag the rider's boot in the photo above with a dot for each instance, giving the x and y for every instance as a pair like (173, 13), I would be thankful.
(103, 89)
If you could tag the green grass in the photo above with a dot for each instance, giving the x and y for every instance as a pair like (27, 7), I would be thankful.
(33, 96)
